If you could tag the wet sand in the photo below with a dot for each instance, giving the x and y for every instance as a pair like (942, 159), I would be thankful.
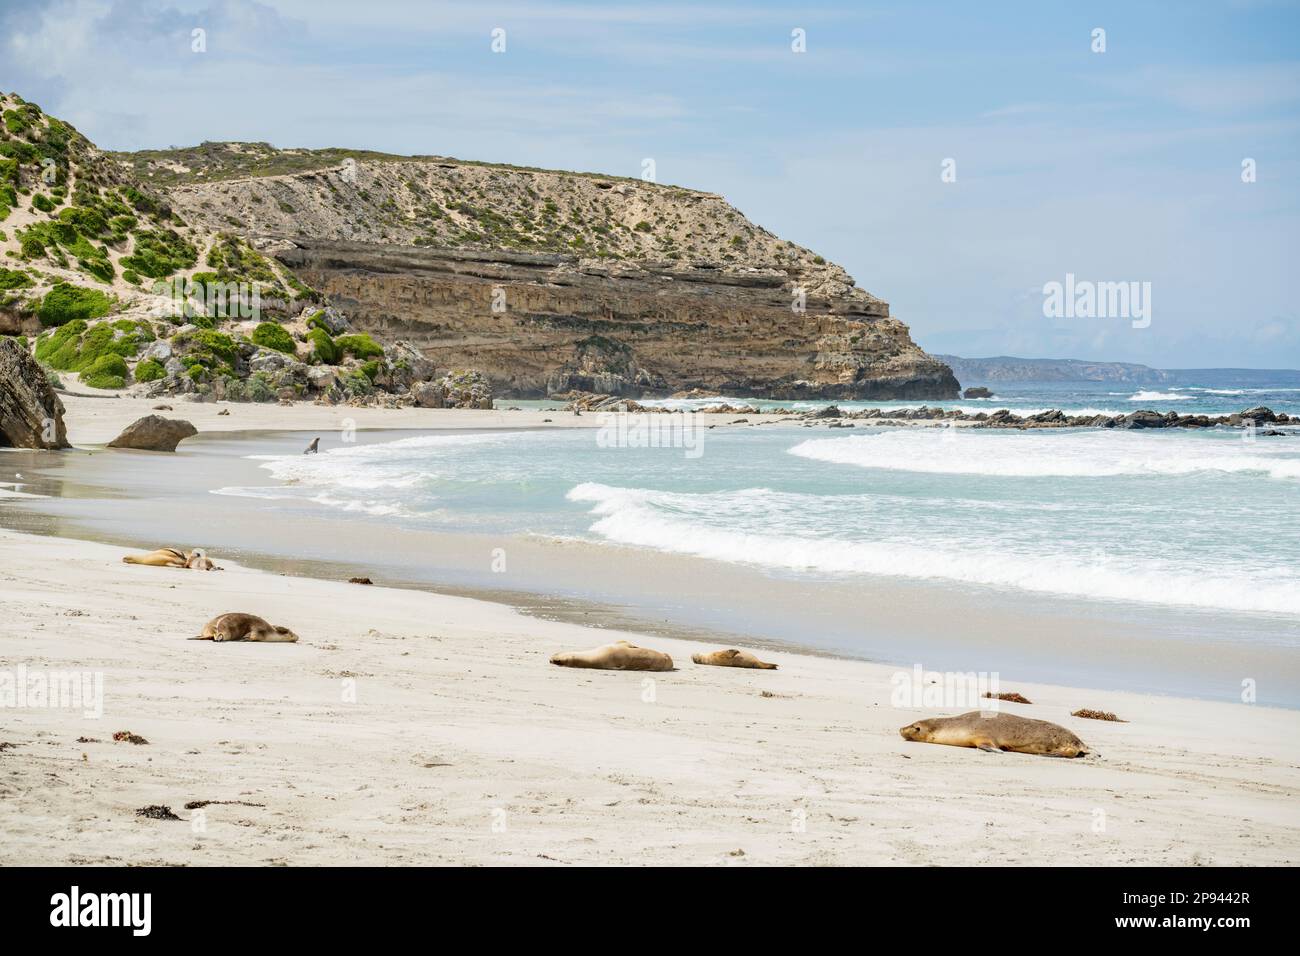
(140, 499)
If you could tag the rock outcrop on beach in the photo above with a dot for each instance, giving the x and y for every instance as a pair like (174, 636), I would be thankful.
(1055, 418)
(154, 433)
(551, 281)
(31, 414)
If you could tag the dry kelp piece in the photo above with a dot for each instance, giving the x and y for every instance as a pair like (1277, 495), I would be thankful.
(1097, 715)
(360, 581)
(89, 740)
(156, 812)
(1013, 697)
(129, 737)
(6, 745)
(200, 804)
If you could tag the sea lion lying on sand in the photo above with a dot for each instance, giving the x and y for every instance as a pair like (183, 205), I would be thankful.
(237, 626)
(996, 732)
(199, 561)
(619, 656)
(733, 658)
(172, 558)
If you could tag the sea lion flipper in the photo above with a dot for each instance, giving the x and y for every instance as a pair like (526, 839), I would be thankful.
(988, 746)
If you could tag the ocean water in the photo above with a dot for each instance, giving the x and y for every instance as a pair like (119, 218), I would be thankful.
(1211, 394)
(1200, 520)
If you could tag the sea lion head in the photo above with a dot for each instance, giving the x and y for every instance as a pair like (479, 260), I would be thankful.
(917, 730)
(285, 633)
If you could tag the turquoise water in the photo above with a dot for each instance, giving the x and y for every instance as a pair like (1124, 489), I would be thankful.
(1214, 392)
(1167, 518)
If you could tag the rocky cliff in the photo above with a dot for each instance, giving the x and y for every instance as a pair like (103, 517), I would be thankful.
(550, 281)
(541, 324)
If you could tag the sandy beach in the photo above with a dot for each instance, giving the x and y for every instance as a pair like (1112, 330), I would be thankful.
(96, 419)
(412, 728)
(409, 727)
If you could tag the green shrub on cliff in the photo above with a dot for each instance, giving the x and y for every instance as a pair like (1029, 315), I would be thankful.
(67, 303)
(212, 350)
(160, 252)
(77, 346)
(259, 388)
(356, 384)
(59, 349)
(14, 279)
(359, 345)
(108, 371)
(149, 370)
(272, 336)
(323, 347)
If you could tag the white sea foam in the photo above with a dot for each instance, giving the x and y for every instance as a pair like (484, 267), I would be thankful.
(1157, 397)
(369, 506)
(645, 518)
(404, 463)
(1066, 454)
(1242, 391)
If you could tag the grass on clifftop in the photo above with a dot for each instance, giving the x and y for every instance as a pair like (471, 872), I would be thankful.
(218, 161)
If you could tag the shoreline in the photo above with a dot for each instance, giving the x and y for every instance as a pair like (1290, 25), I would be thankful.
(1154, 649)
(413, 726)
(459, 722)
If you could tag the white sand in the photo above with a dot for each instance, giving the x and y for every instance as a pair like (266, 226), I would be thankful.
(460, 724)
(96, 419)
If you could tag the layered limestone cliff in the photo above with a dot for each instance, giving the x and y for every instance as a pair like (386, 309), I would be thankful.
(553, 281)
(541, 324)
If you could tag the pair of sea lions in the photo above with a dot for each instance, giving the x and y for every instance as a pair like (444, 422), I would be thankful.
(172, 558)
(996, 732)
(237, 626)
(624, 656)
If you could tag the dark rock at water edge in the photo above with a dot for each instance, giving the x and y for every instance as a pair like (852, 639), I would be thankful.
(31, 415)
(154, 433)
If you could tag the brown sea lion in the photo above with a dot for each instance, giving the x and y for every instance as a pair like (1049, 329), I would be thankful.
(199, 561)
(733, 658)
(619, 656)
(173, 558)
(996, 732)
(244, 627)
(162, 558)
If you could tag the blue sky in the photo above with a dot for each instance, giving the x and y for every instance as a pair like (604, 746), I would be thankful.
(1115, 166)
